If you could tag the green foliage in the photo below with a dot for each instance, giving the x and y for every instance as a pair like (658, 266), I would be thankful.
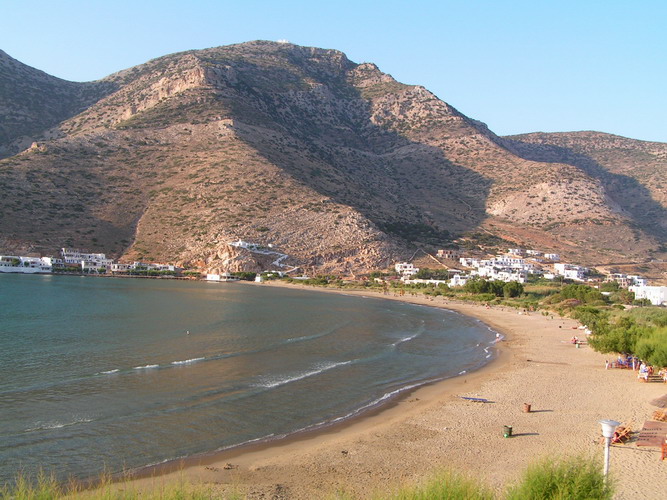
(512, 289)
(432, 274)
(609, 286)
(445, 486)
(47, 488)
(623, 296)
(639, 332)
(583, 293)
(652, 347)
(495, 288)
(566, 479)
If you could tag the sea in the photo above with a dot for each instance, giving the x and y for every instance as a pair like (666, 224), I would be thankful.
(108, 375)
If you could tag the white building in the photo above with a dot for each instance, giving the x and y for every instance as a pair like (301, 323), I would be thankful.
(408, 281)
(657, 295)
(554, 257)
(249, 246)
(25, 265)
(533, 253)
(406, 269)
(501, 274)
(458, 280)
(86, 261)
(638, 280)
(516, 251)
(118, 267)
(469, 261)
(570, 271)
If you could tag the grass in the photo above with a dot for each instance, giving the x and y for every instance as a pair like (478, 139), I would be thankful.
(46, 487)
(571, 478)
(577, 478)
(444, 486)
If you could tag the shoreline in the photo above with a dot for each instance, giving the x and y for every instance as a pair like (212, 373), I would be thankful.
(432, 427)
(378, 410)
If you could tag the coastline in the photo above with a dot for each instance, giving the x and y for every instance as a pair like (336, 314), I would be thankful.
(431, 427)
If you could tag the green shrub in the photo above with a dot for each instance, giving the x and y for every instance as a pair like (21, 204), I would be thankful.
(577, 478)
(652, 347)
(445, 486)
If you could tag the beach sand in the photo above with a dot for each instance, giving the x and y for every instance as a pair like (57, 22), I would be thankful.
(433, 428)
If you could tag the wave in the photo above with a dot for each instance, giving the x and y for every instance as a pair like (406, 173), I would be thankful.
(272, 382)
(187, 361)
(109, 372)
(378, 401)
(146, 367)
(317, 335)
(45, 426)
(405, 339)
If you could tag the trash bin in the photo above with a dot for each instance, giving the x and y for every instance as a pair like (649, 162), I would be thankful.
(526, 408)
(507, 431)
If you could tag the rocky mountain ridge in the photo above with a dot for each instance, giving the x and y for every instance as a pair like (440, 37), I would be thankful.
(334, 162)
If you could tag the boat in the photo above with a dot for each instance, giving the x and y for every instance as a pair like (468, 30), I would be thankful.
(25, 265)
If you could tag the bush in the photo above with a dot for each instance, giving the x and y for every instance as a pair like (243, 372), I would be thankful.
(446, 486)
(565, 479)
(652, 347)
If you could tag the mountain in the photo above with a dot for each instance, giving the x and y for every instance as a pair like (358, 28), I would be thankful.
(335, 163)
(31, 102)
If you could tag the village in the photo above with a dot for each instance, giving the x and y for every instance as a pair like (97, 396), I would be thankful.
(455, 269)
(518, 264)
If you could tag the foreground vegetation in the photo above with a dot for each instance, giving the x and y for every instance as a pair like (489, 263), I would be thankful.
(577, 478)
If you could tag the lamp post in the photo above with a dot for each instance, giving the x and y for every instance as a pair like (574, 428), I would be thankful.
(608, 428)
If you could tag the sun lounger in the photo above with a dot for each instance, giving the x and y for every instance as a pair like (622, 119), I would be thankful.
(622, 433)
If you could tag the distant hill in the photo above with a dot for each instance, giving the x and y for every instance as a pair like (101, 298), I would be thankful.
(335, 163)
(32, 102)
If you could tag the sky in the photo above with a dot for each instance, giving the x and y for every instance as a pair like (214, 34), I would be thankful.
(518, 66)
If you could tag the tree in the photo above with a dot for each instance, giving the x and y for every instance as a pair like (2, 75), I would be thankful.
(512, 289)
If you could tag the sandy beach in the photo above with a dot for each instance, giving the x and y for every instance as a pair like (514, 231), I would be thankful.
(434, 428)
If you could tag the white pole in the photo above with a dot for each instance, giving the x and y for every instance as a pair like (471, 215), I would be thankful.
(607, 442)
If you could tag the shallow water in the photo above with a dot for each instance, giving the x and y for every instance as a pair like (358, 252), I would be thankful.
(120, 373)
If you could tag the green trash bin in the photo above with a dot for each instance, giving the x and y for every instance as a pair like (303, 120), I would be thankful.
(507, 431)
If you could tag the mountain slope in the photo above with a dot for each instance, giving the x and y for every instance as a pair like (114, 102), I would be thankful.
(334, 162)
(31, 102)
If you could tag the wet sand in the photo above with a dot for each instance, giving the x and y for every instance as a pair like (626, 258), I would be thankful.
(434, 428)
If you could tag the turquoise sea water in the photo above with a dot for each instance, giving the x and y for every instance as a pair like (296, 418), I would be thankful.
(119, 373)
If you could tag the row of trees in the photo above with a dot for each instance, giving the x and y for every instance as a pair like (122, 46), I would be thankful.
(497, 288)
(641, 334)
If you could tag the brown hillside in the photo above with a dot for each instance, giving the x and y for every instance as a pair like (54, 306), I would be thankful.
(333, 162)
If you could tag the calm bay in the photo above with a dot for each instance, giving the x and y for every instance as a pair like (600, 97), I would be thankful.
(119, 373)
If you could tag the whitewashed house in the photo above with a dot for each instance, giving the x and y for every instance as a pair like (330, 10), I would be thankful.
(638, 280)
(458, 280)
(554, 257)
(406, 269)
(570, 271)
(657, 295)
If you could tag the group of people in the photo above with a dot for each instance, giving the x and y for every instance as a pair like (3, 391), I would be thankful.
(645, 371)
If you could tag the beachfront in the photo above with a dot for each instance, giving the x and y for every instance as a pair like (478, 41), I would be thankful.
(434, 428)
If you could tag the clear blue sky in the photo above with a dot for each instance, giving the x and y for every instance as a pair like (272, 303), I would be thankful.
(519, 66)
